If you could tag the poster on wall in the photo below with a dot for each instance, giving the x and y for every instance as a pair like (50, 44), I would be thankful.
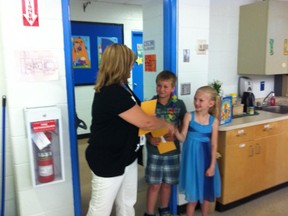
(186, 55)
(37, 65)
(139, 59)
(103, 42)
(81, 52)
(89, 40)
(150, 63)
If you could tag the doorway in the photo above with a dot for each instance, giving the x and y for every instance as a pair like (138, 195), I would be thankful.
(170, 62)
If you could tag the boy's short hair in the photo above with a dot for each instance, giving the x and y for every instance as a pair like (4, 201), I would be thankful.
(167, 75)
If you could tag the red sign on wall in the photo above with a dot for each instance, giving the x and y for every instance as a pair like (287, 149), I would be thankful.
(41, 126)
(30, 12)
(150, 63)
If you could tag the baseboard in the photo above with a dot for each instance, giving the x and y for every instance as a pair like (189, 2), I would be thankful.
(220, 207)
(83, 136)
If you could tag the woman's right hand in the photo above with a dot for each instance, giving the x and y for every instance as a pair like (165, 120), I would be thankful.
(171, 128)
(140, 119)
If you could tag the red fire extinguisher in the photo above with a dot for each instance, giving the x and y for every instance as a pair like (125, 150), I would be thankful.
(45, 162)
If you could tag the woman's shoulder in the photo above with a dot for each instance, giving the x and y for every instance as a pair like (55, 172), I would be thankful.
(111, 87)
(114, 89)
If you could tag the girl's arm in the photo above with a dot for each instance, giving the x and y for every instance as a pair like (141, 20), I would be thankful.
(214, 145)
(181, 136)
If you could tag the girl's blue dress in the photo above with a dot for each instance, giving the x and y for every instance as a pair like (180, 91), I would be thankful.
(195, 159)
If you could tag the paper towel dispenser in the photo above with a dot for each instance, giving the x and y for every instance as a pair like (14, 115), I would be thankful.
(281, 85)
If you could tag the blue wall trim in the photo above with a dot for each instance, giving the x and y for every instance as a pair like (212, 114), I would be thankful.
(170, 19)
(170, 7)
(71, 108)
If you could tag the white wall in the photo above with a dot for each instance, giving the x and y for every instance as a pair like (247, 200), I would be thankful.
(21, 92)
(153, 30)
(218, 23)
(223, 48)
(129, 15)
(193, 25)
(10, 195)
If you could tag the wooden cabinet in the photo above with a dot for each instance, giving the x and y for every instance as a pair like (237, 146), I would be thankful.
(263, 38)
(253, 159)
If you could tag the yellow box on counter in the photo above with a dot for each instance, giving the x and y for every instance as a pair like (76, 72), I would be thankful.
(237, 109)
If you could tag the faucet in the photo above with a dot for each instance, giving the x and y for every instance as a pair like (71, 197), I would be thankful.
(264, 102)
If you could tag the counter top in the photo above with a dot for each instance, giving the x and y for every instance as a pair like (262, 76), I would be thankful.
(263, 117)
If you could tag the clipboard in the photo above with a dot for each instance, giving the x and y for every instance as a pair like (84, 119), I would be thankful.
(149, 108)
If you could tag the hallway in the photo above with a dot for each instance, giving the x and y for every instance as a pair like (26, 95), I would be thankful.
(275, 203)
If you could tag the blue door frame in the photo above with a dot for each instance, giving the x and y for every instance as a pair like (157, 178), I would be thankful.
(170, 19)
(169, 11)
(71, 108)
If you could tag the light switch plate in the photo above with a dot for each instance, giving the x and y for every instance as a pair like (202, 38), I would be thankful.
(185, 88)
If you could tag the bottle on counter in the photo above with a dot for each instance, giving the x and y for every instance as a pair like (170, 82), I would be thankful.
(272, 100)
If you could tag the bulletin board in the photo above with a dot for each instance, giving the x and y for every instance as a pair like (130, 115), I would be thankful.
(89, 40)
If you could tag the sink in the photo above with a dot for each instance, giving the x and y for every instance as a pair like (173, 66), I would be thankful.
(282, 109)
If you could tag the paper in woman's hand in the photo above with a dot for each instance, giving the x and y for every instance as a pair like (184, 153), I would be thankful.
(164, 146)
(149, 108)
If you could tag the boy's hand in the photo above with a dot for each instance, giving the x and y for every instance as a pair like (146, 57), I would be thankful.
(169, 137)
(153, 140)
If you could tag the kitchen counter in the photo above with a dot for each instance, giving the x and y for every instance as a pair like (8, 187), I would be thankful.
(263, 117)
(254, 157)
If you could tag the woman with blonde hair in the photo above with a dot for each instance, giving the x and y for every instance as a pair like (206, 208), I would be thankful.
(114, 144)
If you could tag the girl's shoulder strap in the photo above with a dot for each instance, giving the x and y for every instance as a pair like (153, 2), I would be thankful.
(192, 115)
(211, 119)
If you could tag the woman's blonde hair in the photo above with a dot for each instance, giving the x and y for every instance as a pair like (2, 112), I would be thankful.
(213, 97)
(115, 67)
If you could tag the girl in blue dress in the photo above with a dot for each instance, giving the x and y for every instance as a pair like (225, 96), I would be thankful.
(199, 177)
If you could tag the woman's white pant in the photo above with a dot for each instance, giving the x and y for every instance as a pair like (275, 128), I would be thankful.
(120, 190)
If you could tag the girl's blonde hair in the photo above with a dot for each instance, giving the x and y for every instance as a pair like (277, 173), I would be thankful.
(115, 67)
(213, 97)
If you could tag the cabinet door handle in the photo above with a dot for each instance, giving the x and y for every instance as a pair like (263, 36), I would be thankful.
(251, 151)
(241, 133)
(257, 149)
(267, 127)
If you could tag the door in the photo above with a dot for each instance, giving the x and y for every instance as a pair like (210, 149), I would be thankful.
(137, 72)
(239, 171)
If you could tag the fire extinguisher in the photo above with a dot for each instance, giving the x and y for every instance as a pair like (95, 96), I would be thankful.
(45, 162)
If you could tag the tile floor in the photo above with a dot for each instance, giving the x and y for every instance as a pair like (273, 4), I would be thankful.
(272, 204)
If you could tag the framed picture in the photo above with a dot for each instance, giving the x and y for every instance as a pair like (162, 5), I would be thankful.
(226, 110)
(89, 40)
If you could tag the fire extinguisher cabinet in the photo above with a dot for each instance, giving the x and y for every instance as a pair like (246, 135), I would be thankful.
(44, 133)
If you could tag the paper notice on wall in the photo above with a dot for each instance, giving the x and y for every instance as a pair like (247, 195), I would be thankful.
(285, 47)
(40, 140)
(150, 63)
(38, 65)
(202, 47)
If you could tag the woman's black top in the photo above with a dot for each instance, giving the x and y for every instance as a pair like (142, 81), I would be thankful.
(113, 141)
